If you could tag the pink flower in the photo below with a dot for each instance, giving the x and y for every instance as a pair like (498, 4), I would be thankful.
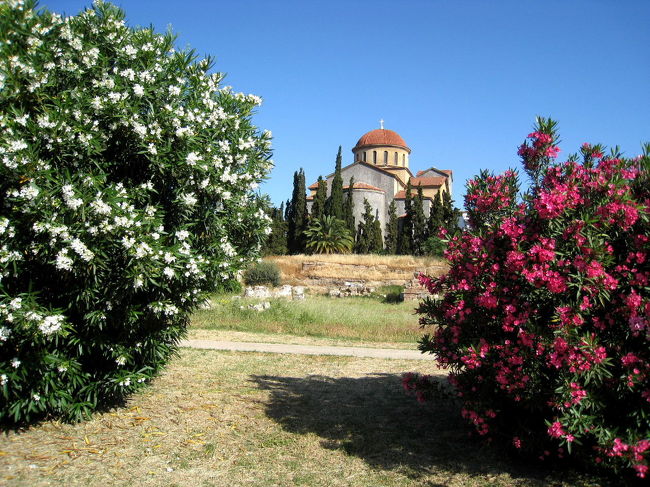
(556, 430)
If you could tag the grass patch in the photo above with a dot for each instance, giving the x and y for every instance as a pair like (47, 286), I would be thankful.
(355, 319)
(250, 419)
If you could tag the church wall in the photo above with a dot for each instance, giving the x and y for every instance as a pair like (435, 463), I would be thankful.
(401, 210)
(376, 199)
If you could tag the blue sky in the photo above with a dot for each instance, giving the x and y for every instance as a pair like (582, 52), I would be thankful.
(461, 81)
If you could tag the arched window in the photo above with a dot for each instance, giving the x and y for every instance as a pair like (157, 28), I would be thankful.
(364, 156)
(396, 160)
(404, 160)
(385, 157)
(374, 157)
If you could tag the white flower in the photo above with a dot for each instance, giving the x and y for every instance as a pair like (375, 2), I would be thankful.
(174, 90)
(125, 383)
(169, 258)
(4, 333)
(129, 74)
(138, 282)
(139, 129)
(36, 397)
(128, 242)
(16, 303)
(188, 199)
(15, 363)
(142, 250)
(61, 368)
(68, 197)
(3, 379)
(100, 207)
(51, 324)
(192, 158)
(152, 149)
(63, 261)
(121, 360)
(169, 272)
(182, 234)
(83, 251)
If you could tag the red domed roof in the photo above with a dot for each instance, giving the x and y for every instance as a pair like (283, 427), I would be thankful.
(382, 137)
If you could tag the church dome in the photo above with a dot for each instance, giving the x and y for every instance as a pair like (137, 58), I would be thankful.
(381, 137)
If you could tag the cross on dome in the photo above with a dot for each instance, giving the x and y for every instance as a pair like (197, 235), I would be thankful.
(381, 124)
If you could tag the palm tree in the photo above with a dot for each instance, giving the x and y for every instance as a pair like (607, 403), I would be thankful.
(328, 235)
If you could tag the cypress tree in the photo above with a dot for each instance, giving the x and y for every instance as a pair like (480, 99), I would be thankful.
(435, 220)
(391, 229)
(419, 223)
(405, 235)
(286, 210)
(376, 242)
(364, 230)
(449, 213)
(297, 221)
(335, 203)
(276, 243)
(348, 208)
(318, 206)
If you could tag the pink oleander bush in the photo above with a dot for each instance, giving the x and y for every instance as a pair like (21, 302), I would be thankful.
(542, 319)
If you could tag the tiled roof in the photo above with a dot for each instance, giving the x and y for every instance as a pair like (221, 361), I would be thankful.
(364, 186)
(314, 186)
(424, 182)
(381, 137)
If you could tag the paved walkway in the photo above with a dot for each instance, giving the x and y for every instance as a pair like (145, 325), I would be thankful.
(385, 353)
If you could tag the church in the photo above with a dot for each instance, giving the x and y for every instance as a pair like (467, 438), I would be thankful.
(381, 172)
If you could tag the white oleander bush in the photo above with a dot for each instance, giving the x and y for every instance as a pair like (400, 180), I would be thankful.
(127, 193)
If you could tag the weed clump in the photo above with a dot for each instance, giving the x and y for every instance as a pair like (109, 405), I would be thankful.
(262, 273)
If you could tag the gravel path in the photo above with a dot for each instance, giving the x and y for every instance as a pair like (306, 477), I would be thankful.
(385, 353)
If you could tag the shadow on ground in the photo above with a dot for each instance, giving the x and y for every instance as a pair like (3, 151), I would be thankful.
(371, 418)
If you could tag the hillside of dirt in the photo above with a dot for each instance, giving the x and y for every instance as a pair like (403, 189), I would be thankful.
(320, 272)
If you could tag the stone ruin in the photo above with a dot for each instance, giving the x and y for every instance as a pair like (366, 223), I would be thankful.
(351, 289)
(295, 293)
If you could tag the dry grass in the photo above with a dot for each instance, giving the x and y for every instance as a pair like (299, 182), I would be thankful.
(250, 419)
(342, 266)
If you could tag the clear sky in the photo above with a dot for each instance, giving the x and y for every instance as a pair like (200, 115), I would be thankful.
(460, 80)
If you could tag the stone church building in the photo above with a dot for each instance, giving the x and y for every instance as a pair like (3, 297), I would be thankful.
(381, 172)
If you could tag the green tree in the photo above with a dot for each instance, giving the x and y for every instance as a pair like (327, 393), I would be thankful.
(376, 241)
(348, 208)
(434, 245)
(123, 204)
(328, 235)
(390, 240)
(276, 243)
(334, 206)
(419, 223)
(405, 233)
(368, 232)
(450, 214)
(297, 215)
(318, 205)
(436, 217)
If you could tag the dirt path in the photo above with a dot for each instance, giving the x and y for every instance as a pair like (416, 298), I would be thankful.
(384, 353)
